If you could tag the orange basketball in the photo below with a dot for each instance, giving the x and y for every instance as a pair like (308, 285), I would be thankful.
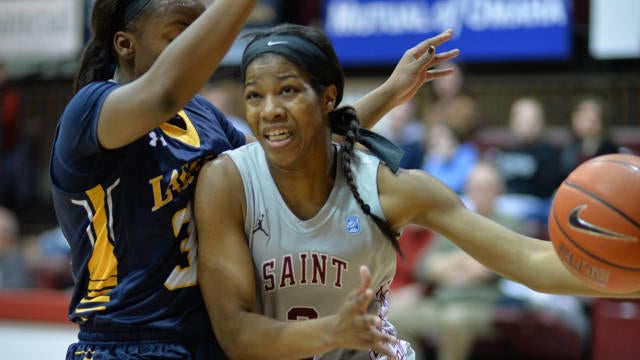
(594, 223)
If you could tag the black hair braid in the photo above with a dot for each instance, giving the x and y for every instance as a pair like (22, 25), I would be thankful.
(95, 65)
(346, 119)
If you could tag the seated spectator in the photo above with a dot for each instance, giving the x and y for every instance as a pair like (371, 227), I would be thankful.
(13, 269)
(49, 259)
(530, 165)
(447, 157)
(453, 104)
(403, 128)
(590, 135)
(460, 308)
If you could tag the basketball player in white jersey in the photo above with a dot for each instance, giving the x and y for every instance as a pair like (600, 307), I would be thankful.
(297, 234)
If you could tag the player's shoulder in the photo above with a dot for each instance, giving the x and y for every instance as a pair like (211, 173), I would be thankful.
(94, 90)
(89, 97)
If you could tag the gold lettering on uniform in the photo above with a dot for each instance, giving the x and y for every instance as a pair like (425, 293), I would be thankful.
(174, 183)
(184, 176)
(158, 200)
(180, 179)
(194, 167)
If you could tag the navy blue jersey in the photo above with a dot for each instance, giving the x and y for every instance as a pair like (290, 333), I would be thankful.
(127, 216)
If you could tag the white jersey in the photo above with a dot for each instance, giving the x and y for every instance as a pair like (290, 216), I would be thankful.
(306, 268)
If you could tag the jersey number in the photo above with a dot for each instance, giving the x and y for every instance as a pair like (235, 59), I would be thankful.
(302, 313)
(186, 276)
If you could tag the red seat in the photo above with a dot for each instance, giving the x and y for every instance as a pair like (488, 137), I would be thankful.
(413, 241)
(615, 329)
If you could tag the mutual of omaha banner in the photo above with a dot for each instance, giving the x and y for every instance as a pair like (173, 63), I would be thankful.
(378, 31)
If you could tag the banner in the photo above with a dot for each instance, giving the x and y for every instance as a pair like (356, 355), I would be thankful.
(40, 29)
(369, 32)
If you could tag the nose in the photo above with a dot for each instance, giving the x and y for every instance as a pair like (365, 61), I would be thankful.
(272, 110)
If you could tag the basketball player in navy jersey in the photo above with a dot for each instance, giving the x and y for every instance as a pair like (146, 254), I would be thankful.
(297, 227)
(127, 152)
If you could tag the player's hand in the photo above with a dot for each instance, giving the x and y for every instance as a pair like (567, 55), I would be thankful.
(355, 328)
(416, 67)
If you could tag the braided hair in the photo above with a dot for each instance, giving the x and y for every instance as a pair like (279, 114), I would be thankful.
(345, 120)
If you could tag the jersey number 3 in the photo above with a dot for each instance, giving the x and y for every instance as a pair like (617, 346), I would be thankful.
(184, 276)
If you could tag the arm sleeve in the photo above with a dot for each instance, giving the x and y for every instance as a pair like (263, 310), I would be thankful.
(236, 137)
(76, 151)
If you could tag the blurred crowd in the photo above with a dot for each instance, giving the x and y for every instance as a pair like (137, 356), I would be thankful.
(27, 259)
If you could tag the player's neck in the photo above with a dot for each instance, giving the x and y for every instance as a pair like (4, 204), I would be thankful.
(306, 190)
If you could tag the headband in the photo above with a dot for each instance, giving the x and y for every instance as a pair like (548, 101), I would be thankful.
(299, 51)
(134, 9)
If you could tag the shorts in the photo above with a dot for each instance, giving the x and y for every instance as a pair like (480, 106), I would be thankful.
(142, 351)
(142, 346)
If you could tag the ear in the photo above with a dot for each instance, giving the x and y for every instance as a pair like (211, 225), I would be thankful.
(329, 98)
(123, 43)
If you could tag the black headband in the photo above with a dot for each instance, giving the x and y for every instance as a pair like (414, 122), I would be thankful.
(299, 51)
(134, 9)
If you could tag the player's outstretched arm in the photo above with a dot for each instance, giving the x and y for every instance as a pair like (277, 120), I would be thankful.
(226, 275)
(414, 69)
(414, 196)
(178, 73)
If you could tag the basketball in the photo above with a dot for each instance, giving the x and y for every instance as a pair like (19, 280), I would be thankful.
(594, 223)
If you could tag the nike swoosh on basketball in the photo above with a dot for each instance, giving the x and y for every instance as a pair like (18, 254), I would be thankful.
(271, 43)
(581, 224)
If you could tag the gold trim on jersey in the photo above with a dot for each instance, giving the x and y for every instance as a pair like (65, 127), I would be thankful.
(103, 264)
(189, 136)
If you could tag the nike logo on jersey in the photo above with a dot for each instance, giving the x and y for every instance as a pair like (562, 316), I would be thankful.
(578, 223)
(272, 43)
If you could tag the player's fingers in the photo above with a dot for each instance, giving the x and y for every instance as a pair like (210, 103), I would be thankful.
(427, 57)
(421, 48)
(365, 278)
(441, 38)
(445, 56)
(439, 73)
(384, 349)
(385, 346)
(362, 301)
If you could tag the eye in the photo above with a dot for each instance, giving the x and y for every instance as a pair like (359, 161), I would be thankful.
(288, 90)
(251, 95)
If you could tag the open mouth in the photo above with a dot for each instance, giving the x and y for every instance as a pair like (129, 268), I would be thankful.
(277, 135)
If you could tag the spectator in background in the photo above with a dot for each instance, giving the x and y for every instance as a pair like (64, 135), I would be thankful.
(530, 165)
(223, 95)
(403, 128)
(461, 306)
(13, 269)
(590, 135)
(49, 260)
(453, 105)
(448, 158)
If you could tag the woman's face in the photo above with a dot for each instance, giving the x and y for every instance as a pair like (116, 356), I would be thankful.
(285, 113)
(156, 31)
(586, 120)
